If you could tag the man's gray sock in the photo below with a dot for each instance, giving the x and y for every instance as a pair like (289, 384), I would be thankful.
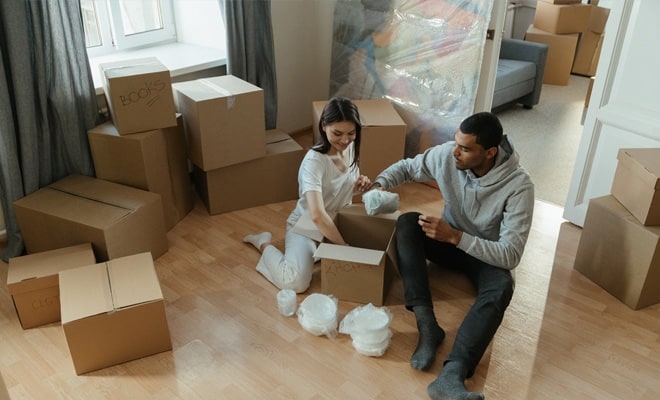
(431, 336)
(450, 384)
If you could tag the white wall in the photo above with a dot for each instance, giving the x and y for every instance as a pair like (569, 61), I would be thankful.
(302, 32)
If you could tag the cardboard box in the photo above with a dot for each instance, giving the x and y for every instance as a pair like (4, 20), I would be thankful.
(598, 19)
(587, 53)
(224, 120)
(636, 183)
(154, 161)
(363, 271)
(383, 134)
(33, 283)
(113, 312)
(562, 18)
(139, 94)
(620, 254)
(117, 220)
(561, 51)
(269, 179)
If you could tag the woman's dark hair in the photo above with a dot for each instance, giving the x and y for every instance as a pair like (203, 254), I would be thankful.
(485, 126)
(340, 109)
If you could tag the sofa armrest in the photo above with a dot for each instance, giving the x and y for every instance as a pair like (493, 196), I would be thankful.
(515, 49)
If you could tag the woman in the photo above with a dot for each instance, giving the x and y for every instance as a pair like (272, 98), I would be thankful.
(328, 179)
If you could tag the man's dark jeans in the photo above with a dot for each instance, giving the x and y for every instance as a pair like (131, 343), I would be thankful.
(494, 287)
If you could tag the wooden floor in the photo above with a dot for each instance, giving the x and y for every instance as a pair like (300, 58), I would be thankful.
(562, 338)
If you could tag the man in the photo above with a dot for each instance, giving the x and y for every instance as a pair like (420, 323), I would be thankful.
(489, 201)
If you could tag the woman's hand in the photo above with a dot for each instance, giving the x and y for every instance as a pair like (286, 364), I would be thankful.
(362, 184)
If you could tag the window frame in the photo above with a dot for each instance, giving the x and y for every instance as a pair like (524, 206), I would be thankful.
(109, 19)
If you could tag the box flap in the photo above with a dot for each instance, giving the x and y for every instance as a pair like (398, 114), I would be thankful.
(644, 162)
(104, 191)
(84, 292)
(133, 280)
(23, 272)
(349, 254)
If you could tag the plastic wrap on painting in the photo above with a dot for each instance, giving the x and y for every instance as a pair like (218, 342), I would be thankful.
(423, 55)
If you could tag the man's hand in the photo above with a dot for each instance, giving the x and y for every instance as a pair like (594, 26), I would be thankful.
(438, 229)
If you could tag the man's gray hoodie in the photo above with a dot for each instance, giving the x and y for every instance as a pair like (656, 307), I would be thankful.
(494, 211)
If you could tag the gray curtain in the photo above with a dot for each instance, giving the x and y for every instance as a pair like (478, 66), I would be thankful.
(250, 51)
(47, 101)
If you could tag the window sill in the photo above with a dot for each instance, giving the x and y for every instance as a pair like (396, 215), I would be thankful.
(179, 58)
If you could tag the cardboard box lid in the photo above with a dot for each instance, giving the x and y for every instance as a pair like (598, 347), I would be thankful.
(215, 87)
(644, 162)
(123, 68)
(106, 287)
(276, 135)
(24, 272)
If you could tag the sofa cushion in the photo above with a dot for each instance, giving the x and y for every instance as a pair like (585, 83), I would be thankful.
(512, 72)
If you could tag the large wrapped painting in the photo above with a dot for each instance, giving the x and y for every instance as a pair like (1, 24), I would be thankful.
(423, 55)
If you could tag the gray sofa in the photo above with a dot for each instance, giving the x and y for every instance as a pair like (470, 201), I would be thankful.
(520, 71)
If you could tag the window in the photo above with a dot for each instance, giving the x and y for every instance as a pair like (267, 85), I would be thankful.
(112, 25)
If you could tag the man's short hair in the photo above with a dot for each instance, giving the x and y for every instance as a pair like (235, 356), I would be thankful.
(485, 126)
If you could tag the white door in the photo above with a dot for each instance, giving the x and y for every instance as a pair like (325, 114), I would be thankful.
(624, 109)
(484, 98)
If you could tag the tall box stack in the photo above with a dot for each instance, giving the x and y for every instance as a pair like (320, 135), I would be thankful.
(383, 134)
(590, 43)
(559, 23)
(144, 144)
(620, 245)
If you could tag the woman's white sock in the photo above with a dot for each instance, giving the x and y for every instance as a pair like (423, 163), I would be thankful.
(258, 239)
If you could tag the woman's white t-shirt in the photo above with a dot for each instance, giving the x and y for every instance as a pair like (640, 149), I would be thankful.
(319, 173)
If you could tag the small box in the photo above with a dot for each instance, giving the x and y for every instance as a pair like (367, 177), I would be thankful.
(619, 254)
(33, 283)
(113, 312)
(636, 183)
(562, 18)
(363, 271)
(153, 160)
(561, 52)
(139, 94)
(117, 220)
(587, 53)
(383, 134)
(224, 120)
(266, 180)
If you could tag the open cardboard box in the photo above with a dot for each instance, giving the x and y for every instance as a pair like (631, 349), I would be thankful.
(363, 271)
(33, 282)
(113, 312)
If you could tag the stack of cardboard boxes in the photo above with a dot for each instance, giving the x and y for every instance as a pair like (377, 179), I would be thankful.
(574, 34)
(236, 163)
(620, 244)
